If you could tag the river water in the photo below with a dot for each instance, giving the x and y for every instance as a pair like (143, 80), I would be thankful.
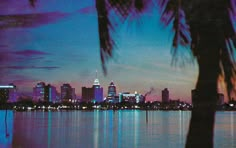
(107, 129)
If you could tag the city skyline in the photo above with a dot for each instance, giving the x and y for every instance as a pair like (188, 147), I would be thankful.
(61, 46)
(40, 87)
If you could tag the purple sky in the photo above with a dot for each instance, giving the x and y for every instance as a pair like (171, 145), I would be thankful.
(57, 42)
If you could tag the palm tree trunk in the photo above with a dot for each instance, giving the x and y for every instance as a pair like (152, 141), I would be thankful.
(201, 127)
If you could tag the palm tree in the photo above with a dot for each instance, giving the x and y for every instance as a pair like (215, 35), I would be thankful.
(206, 27)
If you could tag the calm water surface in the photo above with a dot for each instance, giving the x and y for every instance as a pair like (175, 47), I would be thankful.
(106, 129)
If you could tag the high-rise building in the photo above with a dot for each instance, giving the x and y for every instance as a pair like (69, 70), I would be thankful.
(95, 93)
(8, 93)
(87, 94)
(111, 90)
(39, 92)
(13, 95)
(165, 95)
(67, 93)
(50, 94)
(111, 93)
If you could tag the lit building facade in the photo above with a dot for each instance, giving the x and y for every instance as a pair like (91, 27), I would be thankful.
(165, 95)
(111, 90)
(131, 98)
(111, 93)
(39, 92)
(95, 93)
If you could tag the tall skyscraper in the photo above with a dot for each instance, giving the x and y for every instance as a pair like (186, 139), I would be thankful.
(50, 94)
(39, 92)
(95, 93)
(111, 90)
(165, 95)
(67, 93)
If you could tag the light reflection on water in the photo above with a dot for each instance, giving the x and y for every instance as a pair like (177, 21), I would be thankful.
(105, 129)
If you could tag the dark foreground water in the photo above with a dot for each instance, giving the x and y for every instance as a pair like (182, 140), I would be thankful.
(107, 129)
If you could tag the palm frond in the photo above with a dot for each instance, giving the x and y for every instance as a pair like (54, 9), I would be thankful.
(108, 11)
(32, 3)
(228, 69)
(104, 27)
(172, 12)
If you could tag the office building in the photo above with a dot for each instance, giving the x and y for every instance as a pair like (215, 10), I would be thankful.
(165, 95)
(131, 98)
(111, 90)
(50, 94)
(67, 93)
(95, 93)
(39, 92)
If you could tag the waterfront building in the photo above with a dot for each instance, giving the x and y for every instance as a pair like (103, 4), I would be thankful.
(39, 92)
(165, 95)
(50, 94)
(131, 98)
(95, 93)
(67, 92)
(8, 93)
(13, 94)
(111, 94)
(111, 90)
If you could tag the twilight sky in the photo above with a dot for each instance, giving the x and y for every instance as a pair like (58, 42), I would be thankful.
(57, 42)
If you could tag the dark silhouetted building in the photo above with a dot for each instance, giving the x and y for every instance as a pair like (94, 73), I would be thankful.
(165, 95)
(67, 93)
(87, 94)
(50, 93)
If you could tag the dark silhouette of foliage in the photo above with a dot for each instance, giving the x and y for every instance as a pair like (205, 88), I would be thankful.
(32, 2)
(206, 28)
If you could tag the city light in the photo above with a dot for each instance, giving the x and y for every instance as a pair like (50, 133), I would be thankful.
(6, 86)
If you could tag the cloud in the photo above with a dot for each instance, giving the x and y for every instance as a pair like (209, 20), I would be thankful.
(30, 20)
(30, 53)
(87, 10)
(31, 67)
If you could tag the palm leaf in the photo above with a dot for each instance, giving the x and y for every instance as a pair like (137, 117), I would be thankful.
(107, 20)
(32, 2)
